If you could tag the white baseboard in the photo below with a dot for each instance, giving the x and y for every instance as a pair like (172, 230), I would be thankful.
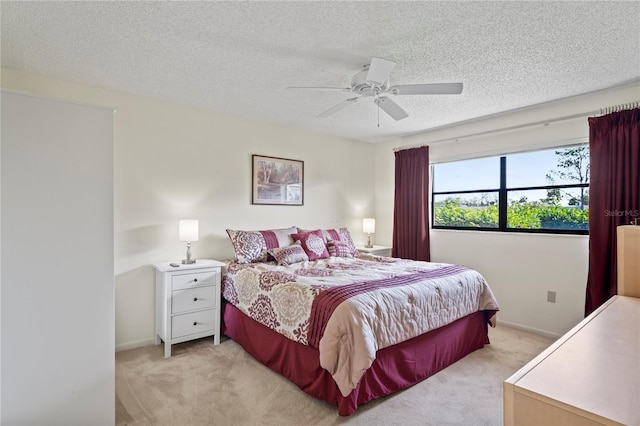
(136, 344)
(529, 329)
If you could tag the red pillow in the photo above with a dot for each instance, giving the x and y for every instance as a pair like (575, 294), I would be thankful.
(313, 244)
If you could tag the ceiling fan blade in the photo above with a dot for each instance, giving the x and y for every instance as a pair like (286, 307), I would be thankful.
(426, 89)
(379, 70)
(345, 89)
(393, 109)
(337, 108)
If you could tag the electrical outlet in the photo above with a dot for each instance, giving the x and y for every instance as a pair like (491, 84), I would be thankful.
(551, 296)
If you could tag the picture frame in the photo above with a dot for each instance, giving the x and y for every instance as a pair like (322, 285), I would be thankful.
(277, 181)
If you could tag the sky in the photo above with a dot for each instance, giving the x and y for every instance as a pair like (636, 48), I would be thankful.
(526, 169)
(523, 170)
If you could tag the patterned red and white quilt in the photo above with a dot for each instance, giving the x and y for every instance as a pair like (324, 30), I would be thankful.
(349, 308)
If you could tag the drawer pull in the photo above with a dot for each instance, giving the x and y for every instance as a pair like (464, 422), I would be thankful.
(195, 280)
(195, 299)
(195, 323)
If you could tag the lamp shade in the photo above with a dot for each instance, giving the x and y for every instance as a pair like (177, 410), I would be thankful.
(369, 225)
(188, 230)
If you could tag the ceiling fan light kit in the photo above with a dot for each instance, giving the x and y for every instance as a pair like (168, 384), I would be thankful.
(373, 82)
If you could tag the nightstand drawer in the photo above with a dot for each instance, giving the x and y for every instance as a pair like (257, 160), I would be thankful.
(193, 298)
(183, 281)
(196, 322)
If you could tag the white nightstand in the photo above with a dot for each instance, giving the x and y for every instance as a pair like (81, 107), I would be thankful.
(187, 302)
(377, 250)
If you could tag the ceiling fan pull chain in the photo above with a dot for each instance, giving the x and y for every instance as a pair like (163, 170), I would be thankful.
(378, 103)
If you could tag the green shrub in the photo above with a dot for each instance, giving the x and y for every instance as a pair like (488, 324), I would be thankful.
(528, 215)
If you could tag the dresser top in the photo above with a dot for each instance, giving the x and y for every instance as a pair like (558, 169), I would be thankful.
(200, 263)
(595, 367)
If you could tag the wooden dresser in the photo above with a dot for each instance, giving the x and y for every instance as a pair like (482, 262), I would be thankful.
(629, 260)
(591, 375)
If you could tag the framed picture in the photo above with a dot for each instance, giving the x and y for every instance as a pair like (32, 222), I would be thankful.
(277, 181)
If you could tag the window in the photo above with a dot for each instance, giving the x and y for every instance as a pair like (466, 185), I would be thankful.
(542, 191)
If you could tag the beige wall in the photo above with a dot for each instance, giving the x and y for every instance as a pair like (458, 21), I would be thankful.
(520, 268)
(176, 162)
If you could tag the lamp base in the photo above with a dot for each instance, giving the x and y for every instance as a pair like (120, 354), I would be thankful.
(368, 246)
(188, 260)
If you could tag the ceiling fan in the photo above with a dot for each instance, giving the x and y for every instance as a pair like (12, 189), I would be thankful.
(372, 82)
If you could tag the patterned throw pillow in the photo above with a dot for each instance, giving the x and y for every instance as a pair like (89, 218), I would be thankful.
(313, 244)
(289, 255)
(252, 246)
(339, 248)
(341, 234)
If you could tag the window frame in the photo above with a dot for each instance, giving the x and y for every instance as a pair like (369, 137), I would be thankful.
(503, 204)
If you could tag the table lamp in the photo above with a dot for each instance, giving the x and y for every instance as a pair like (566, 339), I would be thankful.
(188, 232)
(369, 227)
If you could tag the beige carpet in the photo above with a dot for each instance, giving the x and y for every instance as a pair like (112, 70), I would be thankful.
(203, 384)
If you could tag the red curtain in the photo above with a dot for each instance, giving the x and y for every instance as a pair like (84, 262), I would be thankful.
(411, 205)
(614, 196)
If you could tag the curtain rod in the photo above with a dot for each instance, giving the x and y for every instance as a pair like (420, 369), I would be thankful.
(618, 108)
(601, 111)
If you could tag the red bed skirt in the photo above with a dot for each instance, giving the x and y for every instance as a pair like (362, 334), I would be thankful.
(396, 367)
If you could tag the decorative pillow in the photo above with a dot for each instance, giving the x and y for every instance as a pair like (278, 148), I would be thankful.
(339, 248)
(345, 237)
(289, 255)
(252, 246)
(341, 234)
(313, 244)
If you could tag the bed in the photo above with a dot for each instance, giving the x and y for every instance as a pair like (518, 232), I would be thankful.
(346, 327)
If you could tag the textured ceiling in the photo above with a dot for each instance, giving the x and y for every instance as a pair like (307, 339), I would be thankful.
(239, 57)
